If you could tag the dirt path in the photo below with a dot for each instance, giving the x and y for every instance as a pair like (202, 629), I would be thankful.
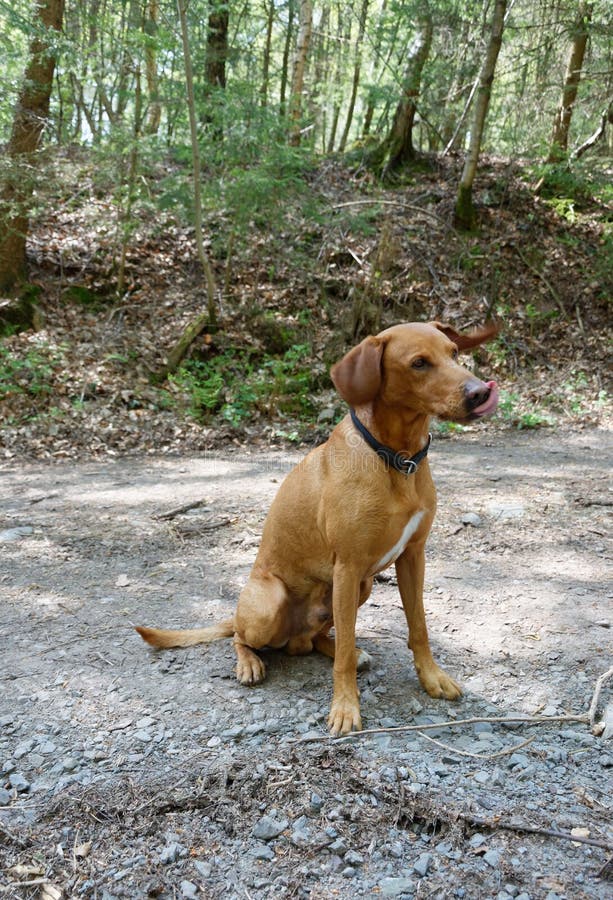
(127, 773)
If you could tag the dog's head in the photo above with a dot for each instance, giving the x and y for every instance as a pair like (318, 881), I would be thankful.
(415, 366)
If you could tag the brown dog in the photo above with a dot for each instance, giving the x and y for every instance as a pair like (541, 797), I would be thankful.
(351, 508)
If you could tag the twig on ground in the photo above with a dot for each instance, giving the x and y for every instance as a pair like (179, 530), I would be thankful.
(498, 753)
(182, 509)
(530, 720)
(522, 827)
(596, 696)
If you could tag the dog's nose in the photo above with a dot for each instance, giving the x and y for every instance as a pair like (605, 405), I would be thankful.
(476, 393)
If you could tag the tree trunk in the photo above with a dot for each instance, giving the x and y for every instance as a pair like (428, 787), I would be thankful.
(399, 149)
(154, 114)
(191, 105)
(302, 52)
(286, 54)
(356, 75)
(464, 208)
(270, 17)
(217, 46)
(29, 122)
(561, 123)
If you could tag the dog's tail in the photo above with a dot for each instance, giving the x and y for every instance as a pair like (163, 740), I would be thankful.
(163, 638)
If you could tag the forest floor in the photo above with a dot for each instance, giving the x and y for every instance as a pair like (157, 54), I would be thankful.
(133, 773)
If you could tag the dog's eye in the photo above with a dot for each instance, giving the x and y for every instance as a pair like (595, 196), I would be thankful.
(419, 363)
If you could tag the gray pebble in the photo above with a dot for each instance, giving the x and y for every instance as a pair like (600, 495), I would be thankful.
(353, 858)
(393, 887)
(263, 851)
(492, 858)
(423, 864)
(268, 828)
(5, 797)
(171, 853)
(203, 868)
(189, 889)
(18, 782)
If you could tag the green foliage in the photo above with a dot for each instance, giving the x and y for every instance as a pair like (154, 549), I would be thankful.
(512, 410)
(29, 375)
(234, 386)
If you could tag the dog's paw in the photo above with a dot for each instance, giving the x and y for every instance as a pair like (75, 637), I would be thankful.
(363, 659)
(437, 683)
(250, 669)
(344, 717)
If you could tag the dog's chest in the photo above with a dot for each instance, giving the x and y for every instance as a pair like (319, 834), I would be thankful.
(394, 552)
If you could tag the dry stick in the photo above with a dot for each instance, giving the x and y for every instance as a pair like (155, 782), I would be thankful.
(506, 752)
(594, 704)
(533, 829)
(412, 207)
(181, 509)
(447, 724)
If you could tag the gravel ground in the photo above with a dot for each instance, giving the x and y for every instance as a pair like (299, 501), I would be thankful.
(130, 773)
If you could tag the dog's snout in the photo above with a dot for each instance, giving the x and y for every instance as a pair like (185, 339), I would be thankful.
(476, 393)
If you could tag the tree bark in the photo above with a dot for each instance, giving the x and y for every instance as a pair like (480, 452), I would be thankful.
(398, 145)
(564, 113)
(29, 121)
(302, 52)
(154, 113)
(356, 75)
(217, 46)
(464, 208)
(286, 54)
(191, 105)
(270, 17)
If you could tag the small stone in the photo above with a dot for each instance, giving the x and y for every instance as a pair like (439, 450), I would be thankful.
(69, 764)
(268, 828)
(492, 858)
(203, 868)
(511, 889)
(189, 889)
(170, 853)
(477, 840)
(5, 797)
(353, 858)
(316, 802)
(348, 872)
(263, 851)
(338, 846)
(19, 783)
(393, 887)
(144, 736)
(15, 534)
(423, 864)
(24, 748)
(471, 518)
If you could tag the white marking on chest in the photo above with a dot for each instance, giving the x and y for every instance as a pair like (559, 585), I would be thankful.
(407, 533)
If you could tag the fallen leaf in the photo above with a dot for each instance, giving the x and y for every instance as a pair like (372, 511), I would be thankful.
(83, 850)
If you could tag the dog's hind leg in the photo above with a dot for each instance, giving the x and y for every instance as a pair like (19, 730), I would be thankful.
(261, 620)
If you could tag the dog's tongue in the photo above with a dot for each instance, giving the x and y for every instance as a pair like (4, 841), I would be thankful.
(491, 403)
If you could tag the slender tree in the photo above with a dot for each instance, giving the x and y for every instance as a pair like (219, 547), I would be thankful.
(561, 124)
(154, 113)
(29, 123)
(464, 208)
(356, 74)
(398, 145)
(191, 105)
(305, 29)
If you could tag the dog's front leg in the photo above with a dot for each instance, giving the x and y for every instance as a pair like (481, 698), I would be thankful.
(410, 573)
(345, 710)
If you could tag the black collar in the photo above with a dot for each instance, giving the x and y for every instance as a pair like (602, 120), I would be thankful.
(405, 464)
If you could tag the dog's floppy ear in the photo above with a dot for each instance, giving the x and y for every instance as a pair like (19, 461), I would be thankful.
(474, 338)
(357, 377)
